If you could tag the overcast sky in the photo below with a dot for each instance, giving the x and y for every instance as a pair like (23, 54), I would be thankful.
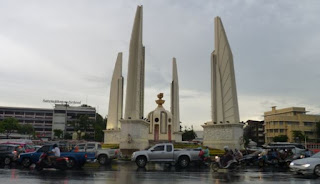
(66, 50)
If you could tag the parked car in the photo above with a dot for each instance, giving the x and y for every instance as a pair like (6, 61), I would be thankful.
(306, 166)
(75, 159)
(94, 151)
(105, 156)
(165, 153)
(9, 153)
(36, 147)
(25, 143)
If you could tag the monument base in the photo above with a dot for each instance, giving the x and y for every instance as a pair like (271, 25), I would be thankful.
(134, 135)
(177, 136)
(112, 136)
(221, 135)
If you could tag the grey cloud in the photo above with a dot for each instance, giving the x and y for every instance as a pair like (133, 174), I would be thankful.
(71, 46)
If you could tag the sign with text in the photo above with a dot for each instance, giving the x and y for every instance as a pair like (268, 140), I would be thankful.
(61, 101)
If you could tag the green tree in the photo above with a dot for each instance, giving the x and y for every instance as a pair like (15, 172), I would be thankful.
(26, 129)
(248, 134)
(58, 133)
(67, 136)
(188, 134)
(9, 125)
(87, 137)
(99, 125)
(280, 138)
(298, 136)
(81, 124)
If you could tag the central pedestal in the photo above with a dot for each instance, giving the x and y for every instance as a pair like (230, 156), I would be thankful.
(112, 136)
(177, 136)
(220, 135)
(134, 135)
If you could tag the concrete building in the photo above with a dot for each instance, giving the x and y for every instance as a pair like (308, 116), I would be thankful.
(45, 120)
(40, 118)
(225, 128)
(256, 131)
(63, 114)
(285, 121)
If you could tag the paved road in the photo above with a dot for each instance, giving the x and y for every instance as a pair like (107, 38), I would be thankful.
(126, 172)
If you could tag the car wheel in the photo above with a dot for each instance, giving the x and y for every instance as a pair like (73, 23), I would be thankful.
(103, 159)
(71, 164)
(7, 161)
(317, 170)
(184, 162)
(26, 162)
(141, 161)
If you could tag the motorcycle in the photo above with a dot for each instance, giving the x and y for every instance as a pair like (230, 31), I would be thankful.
(216, 164)
(58, 163)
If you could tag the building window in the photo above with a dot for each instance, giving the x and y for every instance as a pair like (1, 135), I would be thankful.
(281, 130)
(156, 119)
(59, 111)
(271, 130)
(275, 130)
(308, 123)
(169, 120)
(281, 123)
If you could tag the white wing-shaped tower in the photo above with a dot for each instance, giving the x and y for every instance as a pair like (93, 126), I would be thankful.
(135, 81)
(175, 97)
(225, 128)
(116, 96)
(175, 105)
(224, 92)
(134, 128)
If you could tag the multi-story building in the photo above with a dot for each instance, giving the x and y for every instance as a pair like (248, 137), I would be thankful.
(285, 121)
(44, 120)
(63, 115)
(256, 131)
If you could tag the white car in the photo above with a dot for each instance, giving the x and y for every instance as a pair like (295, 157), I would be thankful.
(307, 166)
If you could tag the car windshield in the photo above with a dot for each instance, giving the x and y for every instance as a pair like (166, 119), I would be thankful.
(317, 155)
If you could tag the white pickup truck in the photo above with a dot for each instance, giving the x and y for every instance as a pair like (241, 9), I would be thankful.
(165, 153)
(104, 156)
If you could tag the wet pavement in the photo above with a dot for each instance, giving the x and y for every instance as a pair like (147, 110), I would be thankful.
(127, 172)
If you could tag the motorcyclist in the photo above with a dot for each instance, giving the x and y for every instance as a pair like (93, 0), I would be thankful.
(56, 153)
(226, 157)
(237, 154)
(307, 153)
(206, 153)
(201, 154)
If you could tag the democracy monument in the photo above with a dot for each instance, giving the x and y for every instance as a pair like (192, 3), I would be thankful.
(135, 132)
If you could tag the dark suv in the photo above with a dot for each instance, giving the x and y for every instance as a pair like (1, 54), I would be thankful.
(9, 153)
